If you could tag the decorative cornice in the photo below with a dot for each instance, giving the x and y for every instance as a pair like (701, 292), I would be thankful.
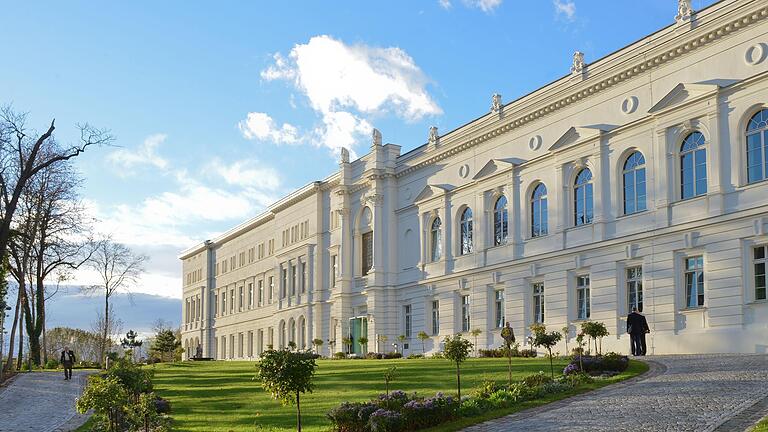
(596, 86)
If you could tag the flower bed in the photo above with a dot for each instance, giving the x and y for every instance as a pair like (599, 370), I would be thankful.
(400, 411)
(610, 363)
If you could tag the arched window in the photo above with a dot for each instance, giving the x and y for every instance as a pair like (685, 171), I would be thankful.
(436, 240)
(281, 335)
(292, 334)
(634, 183)
(757, 147)
(582, 191)
(500, 221)
(302, 333)
(466, 231)
(366, 241)
(539, 212)
(693, 166)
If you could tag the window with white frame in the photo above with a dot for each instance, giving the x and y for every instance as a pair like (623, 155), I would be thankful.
(500, 221)
(302, 277)
(757, 147)
(261, 292)
(465, 318)
(583, 198)
(250, 344)
(334, 269)
(367, 252)
(271, 289)
(215, 304)
(232, 301)
(539, 213)
(634, 183)
(635, 288)
(499, 308)
(760, 259)
(407, 321)
(582, 297)
(435, 317)
(694, 281)
(466, 229)
(436, 240)
(224, 302)
(284, 282)
(538, 302)
(693, 166)
(240, 299)
(250, 295)
(294, 279)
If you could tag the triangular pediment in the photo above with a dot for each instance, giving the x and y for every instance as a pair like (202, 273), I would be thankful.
(494, 166)
(681, 93)
(431, 191)
(579, 134)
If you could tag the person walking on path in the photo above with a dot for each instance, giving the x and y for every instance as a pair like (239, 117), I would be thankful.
(637, 327)
(67, 360)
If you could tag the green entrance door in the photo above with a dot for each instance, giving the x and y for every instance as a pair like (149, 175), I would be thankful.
(358, 327)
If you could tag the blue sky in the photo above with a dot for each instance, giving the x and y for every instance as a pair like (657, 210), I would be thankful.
(219, 110)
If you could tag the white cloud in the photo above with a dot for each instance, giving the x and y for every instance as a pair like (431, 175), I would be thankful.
(484, 5)
(445, 4)
(261, 126)
(345, 84)
(565, 9)
(247, 174)
(145, 154)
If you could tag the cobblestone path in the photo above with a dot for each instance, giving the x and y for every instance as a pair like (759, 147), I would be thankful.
(679, 393)
(40, 401)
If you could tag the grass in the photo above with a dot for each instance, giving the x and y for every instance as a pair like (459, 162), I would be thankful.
(222, 397)
(761, 426)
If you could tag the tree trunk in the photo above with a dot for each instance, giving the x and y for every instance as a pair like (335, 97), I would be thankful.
(551, 366)
(19, 358)
(458, 380)
(298, 413)
(7, 365)
(106, 329)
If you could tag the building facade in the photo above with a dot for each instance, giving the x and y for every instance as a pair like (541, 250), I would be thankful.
(640, 179)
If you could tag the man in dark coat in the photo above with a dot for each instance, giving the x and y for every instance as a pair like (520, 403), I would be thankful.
(637, 327)
(67, 360)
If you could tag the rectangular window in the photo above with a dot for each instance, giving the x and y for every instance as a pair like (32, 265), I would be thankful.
(284, 284)
(367, 249)
(261, 293)
(250, 295)
(407, 320)
(240, 345)
(232, 265)
(294, 279)
(635, 288)
(215, 305)
(499, 308)
(334, 269)
(231, 346)
(271, 289)
(260, 342)
(465, 323)
(435, 317)
(303, 277)
(242, 259)
(582, 297)
(538, 302)
(250, 344)
(223, 347)
(694, 281)
(224, 302)
(760, 256)
(240, 299)
(186, 315)
(232, 301)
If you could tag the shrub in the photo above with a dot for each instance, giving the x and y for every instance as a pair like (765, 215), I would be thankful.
(596, 365)
(374, 356)
(420, 414)
(415, 356)
(339, 355)
(528, 353)
(536, 380)
(135, 379)
(393, 355)
(351, 417)
(144, 415)
(385, 421)
(107, 398)
(437, 355)
(52, 364)
(286, 374)
(555, 387)
(393, 401)
(615, 362)
(491, 353)
(485, 389)
(576, 379)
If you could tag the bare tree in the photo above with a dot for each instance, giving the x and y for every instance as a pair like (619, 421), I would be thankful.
(119, 269)
(24, 153)
(113, 327)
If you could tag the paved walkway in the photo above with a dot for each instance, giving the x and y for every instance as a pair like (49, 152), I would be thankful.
(680, 393)
(40, 401)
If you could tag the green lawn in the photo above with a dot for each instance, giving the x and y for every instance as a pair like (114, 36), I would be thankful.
(221, 396)
(762, 426)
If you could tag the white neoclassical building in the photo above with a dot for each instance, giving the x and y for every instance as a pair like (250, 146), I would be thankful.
(640, 179)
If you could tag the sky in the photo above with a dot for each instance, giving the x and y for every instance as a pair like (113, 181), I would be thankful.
(220, 108)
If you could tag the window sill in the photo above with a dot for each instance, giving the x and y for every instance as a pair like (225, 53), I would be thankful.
(762, 302)
(692, 309)
(751, 185)
(681, 201)
(630, 215)
(581, 320)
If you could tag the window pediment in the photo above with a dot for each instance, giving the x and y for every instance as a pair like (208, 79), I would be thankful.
(579, 134)
(432, 191)
(495, 166)
(682, 93)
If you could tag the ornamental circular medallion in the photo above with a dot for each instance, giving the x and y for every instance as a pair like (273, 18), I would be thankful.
(629, 105)
(755, 54)
(464, 171)
(535, 142)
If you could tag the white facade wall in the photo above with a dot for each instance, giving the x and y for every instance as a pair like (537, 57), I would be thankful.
(709, 76)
